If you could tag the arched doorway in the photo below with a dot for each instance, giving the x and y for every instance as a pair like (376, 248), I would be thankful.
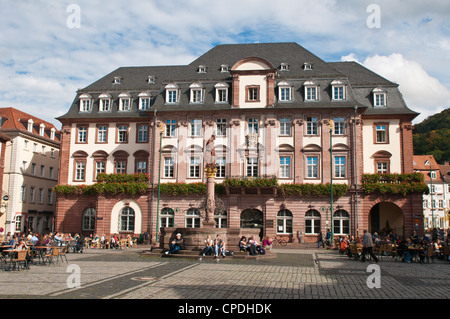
(386, 216)
(251, 218)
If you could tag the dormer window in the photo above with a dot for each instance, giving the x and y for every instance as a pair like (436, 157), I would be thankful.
(338, 90)
(221, 92)
(307, 66)
(196, 93)
(124, 102)
(224, 68)
(85, 103)
(284, 67)
(42, 129)
(379, 97)
(284, 91)
(104, 102)
(151, 79)
(52, 133)
(30, 125)
(172, 93)
(116, 80)
(202, 69)
(311, 91)
(144, 101)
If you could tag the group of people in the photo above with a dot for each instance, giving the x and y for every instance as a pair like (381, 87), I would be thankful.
(402, 245)
(253, 247)
(112, 242)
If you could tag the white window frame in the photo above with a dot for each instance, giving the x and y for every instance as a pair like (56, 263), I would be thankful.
(285, 167)
(85, 103)
(172, 93)
(252, 169)
(104, 103)
(195, 127)
(285, 126)
(312, 168)
(124, 102)
(194, 167)
(144, 101)
(169, 167)
(284, 91)
(222, 124)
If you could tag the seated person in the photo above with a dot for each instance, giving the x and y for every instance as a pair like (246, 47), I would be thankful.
(79, 244)
(403, 247)
(255, 244)
(175, 245)
(208, 246)
(267, 243)
(243, 244)
(219, 246)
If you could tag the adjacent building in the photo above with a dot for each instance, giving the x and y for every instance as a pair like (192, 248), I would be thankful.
(276, 110)
(30, 164)
(436, 204)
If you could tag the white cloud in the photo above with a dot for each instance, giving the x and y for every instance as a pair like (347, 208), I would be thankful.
(44, 58)
(421, 92)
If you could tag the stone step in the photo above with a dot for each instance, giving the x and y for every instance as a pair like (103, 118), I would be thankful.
(196, 254)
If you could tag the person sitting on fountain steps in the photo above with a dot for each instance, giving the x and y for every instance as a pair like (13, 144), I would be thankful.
(175, 245)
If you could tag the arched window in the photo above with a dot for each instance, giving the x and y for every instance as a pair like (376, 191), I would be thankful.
(221, 218)
(167, 217)
(312, 222)
(251, 218)
(127, 219)
(341, 222)
(193, 218)
(89, 219)
(284, 222)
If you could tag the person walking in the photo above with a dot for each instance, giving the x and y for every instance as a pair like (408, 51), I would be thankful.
(320, 240)
(368, 247)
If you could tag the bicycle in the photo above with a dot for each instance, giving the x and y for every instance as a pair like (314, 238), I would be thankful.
(279, 241)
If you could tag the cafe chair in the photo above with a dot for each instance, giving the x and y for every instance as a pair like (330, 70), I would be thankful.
(21, 259)
(53, 254)
(62, 253)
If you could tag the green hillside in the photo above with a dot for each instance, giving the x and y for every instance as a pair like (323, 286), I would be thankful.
(432, 137)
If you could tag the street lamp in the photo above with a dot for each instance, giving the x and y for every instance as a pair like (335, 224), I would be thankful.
(431, 192)
(331, 128)
(161, 130)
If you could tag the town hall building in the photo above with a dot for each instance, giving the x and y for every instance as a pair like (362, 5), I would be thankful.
(277, 112)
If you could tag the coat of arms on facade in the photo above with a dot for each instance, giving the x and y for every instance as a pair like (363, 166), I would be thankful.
(252, 140)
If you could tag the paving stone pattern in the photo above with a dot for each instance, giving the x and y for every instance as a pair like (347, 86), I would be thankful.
(294, 274)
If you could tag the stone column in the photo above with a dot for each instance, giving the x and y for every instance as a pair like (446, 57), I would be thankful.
(210, 201)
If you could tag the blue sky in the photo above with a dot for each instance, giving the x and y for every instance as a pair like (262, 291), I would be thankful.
(44, 59)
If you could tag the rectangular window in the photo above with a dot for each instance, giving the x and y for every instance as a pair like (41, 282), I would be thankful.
(196, 126)
(285, 126)
(338, 93)
(141, 167)
(222, 95)
(285, 94)
(382, 167)
(380, 99)
(253, 94)
(85, 106)
(170, 127)
(102, 134)
(312, 169)
(252, 167)
(105, 105)
(381, 134)
(122, 134)
(124, 104)
(285, 167)
(82, 134)
(23, 193)
(51, 171)
(311, 126)
(220, 165)
(311, 93)
(49, 196)
(252, 126)
(80, 171)
(172, 96)
(100, 168)
(339, 167)
(339, 126)
(194, 167)
(168, 167)
(33, 169)
(221, 127)
(142, 133)
(32, 194)
(144, 103)
(121, 167)
(41, 196)
(42, 170)
(196, 96)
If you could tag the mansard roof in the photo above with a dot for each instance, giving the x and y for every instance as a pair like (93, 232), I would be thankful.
(288, 61)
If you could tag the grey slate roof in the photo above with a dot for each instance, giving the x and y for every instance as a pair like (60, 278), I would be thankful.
(360, 80)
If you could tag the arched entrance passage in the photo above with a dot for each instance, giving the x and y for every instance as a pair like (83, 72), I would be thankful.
(251, 218)
(386, 215)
